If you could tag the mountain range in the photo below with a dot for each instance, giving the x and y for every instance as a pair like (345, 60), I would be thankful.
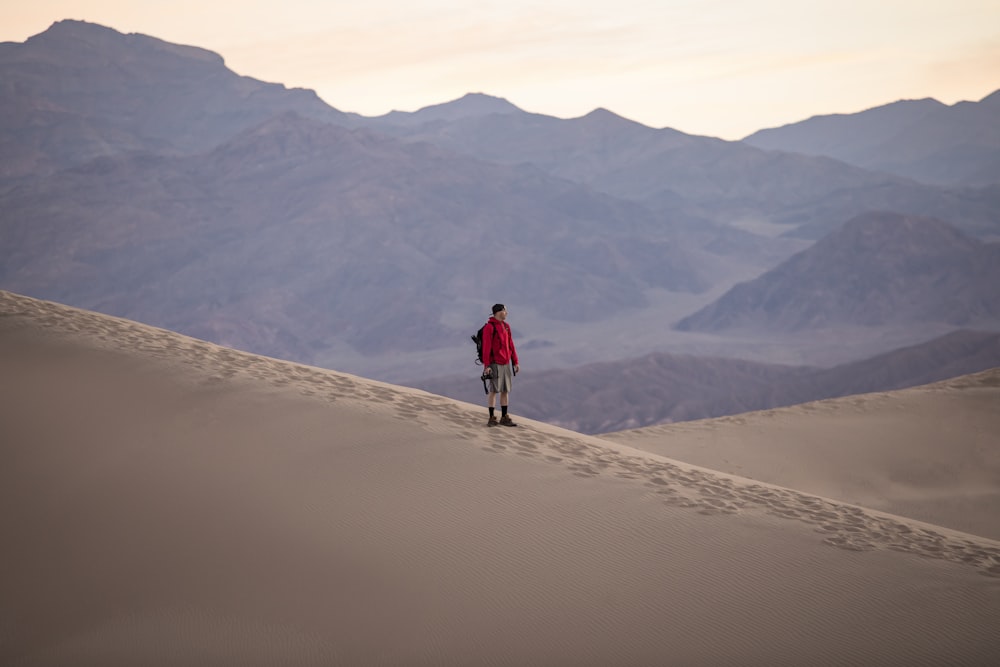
(146, 180)
(308, 225)
(703, 178)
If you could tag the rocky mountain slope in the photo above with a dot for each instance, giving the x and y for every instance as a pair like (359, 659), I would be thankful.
(879, 268)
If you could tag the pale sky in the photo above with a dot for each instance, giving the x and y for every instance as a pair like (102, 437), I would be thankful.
(722, 68)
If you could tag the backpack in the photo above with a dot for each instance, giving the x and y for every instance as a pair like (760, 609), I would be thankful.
(478, 340)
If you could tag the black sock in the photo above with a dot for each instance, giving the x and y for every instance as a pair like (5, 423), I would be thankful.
(491, 412)
(503, 410)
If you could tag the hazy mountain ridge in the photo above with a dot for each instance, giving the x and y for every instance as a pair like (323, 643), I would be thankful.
(920, 139)
(846, 137)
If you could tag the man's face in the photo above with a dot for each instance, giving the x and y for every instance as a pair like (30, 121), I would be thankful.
(501, 314)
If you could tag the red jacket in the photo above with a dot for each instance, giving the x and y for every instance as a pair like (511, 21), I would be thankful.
(498, 343)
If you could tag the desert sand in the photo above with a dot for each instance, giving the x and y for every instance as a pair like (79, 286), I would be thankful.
(931, 452)
(165, 501)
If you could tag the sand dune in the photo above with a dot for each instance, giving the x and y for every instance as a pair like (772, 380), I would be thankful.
(168, 501)
(929, 452)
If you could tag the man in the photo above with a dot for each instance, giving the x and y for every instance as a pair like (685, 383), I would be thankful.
(500, 360)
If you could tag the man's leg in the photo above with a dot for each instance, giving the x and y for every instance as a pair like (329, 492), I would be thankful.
(491, 403)
(504, 417)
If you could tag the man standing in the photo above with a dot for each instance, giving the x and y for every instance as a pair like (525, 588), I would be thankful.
(500, 360)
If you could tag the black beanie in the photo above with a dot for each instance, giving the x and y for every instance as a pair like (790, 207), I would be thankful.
(497, 307)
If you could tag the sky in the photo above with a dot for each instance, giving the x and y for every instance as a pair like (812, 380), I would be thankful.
(722, 68)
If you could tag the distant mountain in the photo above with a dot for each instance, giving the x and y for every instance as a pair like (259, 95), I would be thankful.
(79, 91)
(296, 233)
(958, 353)
(469, 106)
(657, 388)
(846, 137)
(879, 268)
(920, 139)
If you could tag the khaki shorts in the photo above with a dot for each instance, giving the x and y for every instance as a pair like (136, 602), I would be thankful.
(501, 378)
